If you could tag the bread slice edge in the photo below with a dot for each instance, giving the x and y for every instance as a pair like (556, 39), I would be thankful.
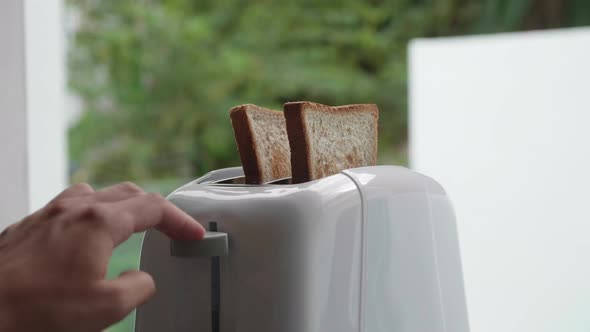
(298, 141)
(246, 143)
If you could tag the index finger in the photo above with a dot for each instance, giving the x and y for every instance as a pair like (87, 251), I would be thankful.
(147, 211)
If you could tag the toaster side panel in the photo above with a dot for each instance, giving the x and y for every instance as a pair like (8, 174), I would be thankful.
(331, 257)
(182, 298)
(293, 262)
(412, 274)
(260, 277)
(402, 292)
(449, 263)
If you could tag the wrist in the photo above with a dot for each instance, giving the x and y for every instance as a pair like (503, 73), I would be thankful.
(7, 305)
(7, 318)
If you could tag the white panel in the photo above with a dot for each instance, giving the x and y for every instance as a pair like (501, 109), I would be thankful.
(503, 122)
(32, 126)
(45, 100)
(13, 157)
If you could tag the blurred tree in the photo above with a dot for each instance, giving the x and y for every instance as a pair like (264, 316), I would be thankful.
(157, 77)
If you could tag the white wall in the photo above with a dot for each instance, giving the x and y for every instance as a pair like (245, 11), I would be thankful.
(13, 144)
(503, 122)
(32, 126)
(46, 82)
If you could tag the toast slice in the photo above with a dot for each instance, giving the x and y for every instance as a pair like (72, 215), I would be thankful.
(325, 140)
(261, 136)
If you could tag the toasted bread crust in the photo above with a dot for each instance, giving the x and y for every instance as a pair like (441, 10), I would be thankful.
(300, 161)
(304, 168)
(245, 142)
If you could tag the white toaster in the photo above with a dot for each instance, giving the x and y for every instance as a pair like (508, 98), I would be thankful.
(370, 249)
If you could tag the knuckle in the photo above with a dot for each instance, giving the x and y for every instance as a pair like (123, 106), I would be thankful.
(95, 212)
(129, 187)
(82, 186)
(56, 207)
(11, 227)
(156, 198)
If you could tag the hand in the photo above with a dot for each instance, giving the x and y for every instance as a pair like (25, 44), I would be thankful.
(53, 263)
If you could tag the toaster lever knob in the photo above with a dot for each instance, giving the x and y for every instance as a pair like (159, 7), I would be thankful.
(211, 245)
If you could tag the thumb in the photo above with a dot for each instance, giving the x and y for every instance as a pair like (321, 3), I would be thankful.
(130, 290)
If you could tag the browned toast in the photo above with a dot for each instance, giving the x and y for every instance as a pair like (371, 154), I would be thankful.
(325, 140)
(261, 136)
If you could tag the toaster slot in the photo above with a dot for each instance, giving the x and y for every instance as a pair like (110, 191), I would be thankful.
(236, 180)
(215, 286)
(242, 181)
(280, 181)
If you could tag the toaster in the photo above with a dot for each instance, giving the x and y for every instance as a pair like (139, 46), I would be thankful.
(371, 249)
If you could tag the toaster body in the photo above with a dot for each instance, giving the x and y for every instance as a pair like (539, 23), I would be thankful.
(371, 249)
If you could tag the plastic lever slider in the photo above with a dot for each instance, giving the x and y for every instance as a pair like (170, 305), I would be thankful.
(213, 244)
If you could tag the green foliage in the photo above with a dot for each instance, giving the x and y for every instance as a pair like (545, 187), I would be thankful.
(157, 77)
(125, 257)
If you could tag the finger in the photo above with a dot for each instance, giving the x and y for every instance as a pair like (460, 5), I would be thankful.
(125, 293)
(76, 190)
(117, 192)
(142, 212)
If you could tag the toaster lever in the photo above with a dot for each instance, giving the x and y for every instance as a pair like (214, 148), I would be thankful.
(213, 244)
